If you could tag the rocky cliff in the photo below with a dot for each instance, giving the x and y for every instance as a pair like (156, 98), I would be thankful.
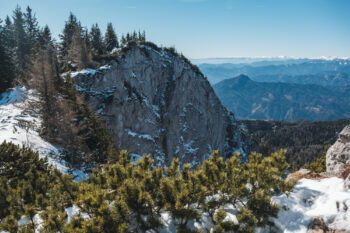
(338, 156)
(155, 101)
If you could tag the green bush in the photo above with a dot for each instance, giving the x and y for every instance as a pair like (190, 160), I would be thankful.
(319, 165)
(124, 197)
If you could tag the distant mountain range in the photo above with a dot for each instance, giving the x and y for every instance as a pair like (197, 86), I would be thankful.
(249, 99)
(280, 70)
(251, 60)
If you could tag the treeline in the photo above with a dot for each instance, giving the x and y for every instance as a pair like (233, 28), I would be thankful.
(305, 142)
(124, 197)
(21, 38)
(31, 57)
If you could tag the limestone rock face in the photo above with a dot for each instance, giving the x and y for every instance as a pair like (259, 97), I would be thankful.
(339, 153)
(154, 101)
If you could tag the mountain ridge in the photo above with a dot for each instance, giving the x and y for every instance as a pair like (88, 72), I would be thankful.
(282, 101)
(145, 100)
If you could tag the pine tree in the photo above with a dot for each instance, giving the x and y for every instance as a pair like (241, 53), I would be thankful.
(214, 172)
(45, 38)
(139, 36)
(97, 43)
(222, 226)
(134, 35)
(176, 196)
(6, 66)
(265, 176)
(45, 74)
(32, 28)
(66, 37)
(319, 165)
(111, 39)
(128, 37)
(54, 220)
(142, 36)
(22, 47)
(123, 40)
(8, 34)
(78, 53)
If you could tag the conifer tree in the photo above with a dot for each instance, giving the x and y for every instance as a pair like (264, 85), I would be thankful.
(176, 196)
(134, 35)
(32, 28)
(22, 46)
(45, 74)
(123, 40)
(66, 37)
(214, 172)
(8, 34)
(128, 37)
(111, 39)
(78, 53)
(45, 38)
(139, 36)
(97, 43)
(6, 66)
(142, 36)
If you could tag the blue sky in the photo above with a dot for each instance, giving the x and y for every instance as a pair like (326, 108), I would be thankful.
(213, 28)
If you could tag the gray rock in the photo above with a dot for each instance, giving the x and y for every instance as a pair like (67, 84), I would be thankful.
(347, 182)
(156, 102)
(339, 153)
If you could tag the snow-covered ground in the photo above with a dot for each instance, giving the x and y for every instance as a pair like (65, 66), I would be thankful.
(326, 198)
(309, 199)
(20, 124)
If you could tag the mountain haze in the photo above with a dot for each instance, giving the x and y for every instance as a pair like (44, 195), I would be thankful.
(284, 70)
(282, 101)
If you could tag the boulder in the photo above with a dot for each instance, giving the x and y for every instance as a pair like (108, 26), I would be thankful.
(317, 225)
(339, 153)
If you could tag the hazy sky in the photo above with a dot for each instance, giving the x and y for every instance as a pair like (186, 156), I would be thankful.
(213, 28)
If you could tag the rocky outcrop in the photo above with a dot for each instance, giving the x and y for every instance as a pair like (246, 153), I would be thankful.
(305, 174)
(338, 156)
(155, 101)
(317, 225)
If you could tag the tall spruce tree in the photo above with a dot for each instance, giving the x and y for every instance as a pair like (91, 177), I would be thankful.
(111, 39)
(45, 73)
(134, 35)
(44, 37)
(66, 37)
(142, 36)
(123, 40)
(128, 37)
(22, 47)
(32, 28)
(78, 53)
(6, 66)
(8, 34)
(96, 40)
